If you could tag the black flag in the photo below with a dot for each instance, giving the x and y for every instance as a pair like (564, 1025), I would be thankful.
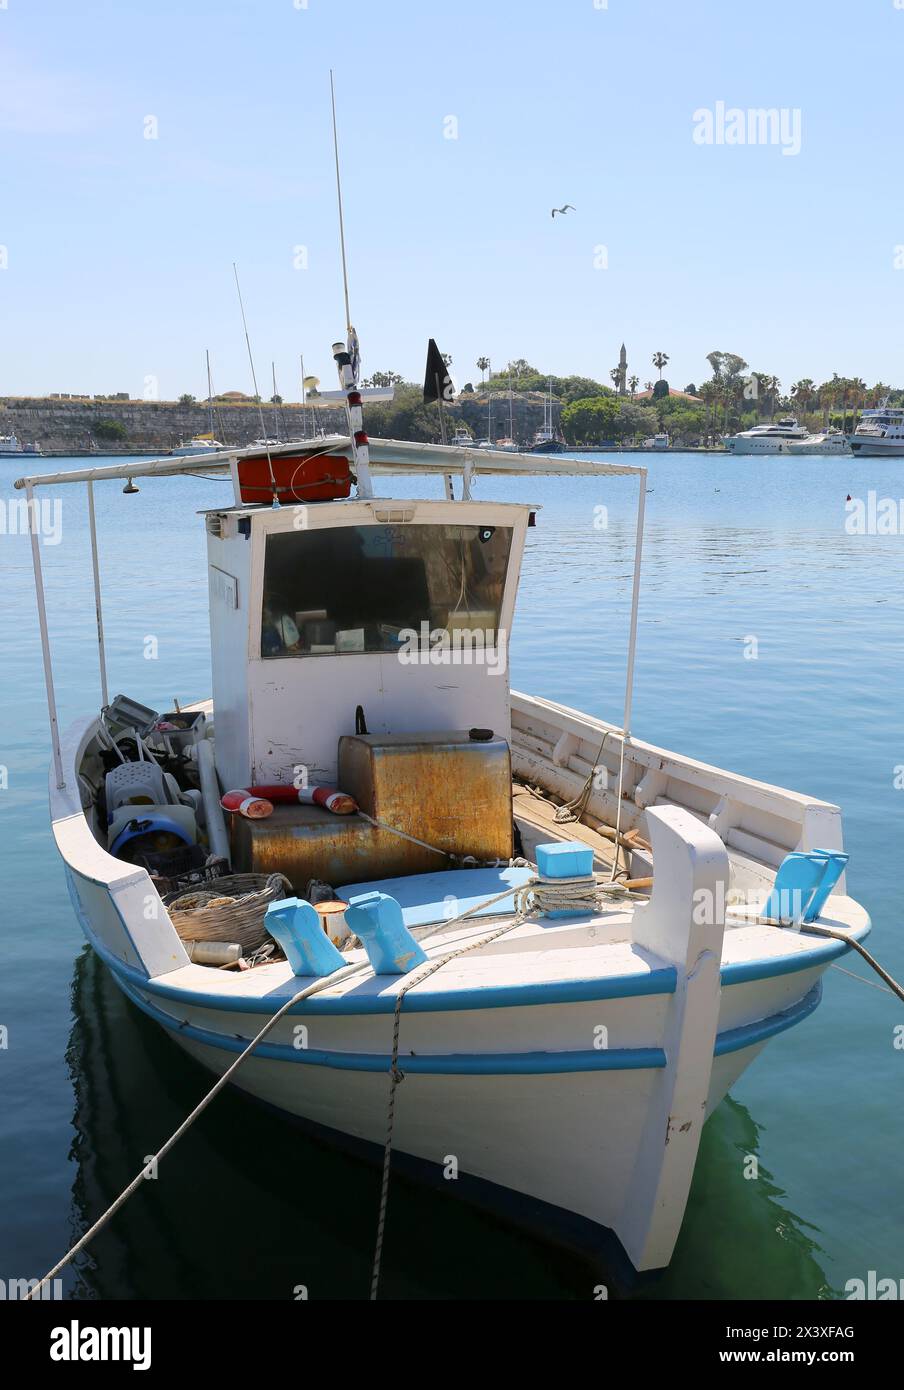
(437, 381)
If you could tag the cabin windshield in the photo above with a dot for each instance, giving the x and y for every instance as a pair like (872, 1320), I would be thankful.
(355, 589)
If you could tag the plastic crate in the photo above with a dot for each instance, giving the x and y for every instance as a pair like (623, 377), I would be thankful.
(174, 871)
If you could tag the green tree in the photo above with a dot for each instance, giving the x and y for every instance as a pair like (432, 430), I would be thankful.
(108, 429)
(635, 421)
(590, 421)
(406, 416)
(686, 424)
(186, 399)
(659, 360)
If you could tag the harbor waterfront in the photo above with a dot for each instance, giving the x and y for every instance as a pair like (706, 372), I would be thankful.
(768, 617)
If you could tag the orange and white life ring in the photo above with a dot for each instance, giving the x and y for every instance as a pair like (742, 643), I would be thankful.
(244, 803)
(330, 798)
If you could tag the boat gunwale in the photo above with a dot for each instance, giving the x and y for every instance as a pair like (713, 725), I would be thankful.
(655, 981)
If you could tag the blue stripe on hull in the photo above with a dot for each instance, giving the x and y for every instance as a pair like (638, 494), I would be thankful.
(485, 1063)
(749, 1034)
(448, 1064)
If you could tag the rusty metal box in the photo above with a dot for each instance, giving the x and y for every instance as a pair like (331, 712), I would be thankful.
(305, 842)
(447, 789)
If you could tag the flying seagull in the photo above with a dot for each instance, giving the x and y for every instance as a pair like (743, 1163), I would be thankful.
(567, 208)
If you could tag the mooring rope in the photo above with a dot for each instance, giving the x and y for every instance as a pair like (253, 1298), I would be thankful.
(189, 1120)
(315, 987)
(395, 1076)
(862, 978)
(577, 895)
(870, 960)
(813, 928)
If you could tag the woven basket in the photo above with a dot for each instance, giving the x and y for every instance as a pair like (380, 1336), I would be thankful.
(231, 910)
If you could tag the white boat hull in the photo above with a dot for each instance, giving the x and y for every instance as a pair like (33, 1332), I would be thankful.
(756, 446)
(571, 1063)
(863, 445)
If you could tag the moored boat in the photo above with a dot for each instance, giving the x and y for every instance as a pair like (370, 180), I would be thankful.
(199, 444)
(879, 433)
(773, 438)
(825, 442)
(361, 642)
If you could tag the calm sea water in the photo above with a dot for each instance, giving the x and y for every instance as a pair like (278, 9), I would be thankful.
(248, 1207)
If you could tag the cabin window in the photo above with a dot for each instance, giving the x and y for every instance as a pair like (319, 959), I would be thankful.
(355, 589)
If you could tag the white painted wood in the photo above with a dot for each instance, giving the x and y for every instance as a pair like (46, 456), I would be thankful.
(683, 923)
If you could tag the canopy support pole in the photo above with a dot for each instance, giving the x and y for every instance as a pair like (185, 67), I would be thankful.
(102, 658)
(45, 640)
(635, 601)
(632, 647)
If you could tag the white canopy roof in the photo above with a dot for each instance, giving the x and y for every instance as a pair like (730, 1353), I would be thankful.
(386, 456)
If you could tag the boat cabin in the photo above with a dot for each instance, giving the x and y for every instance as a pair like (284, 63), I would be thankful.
(362, 644)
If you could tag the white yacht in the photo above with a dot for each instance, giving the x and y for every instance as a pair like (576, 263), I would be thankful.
(880, 431)
(200, 444)
(462, 438)
(767, 439)
(825, 442)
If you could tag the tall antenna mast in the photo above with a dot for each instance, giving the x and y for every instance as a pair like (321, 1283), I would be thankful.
(209, 395)
(347, 355)
(275, 401)
(348, 314)
(260, 404)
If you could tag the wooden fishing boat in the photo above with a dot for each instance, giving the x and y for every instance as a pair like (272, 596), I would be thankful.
(558, 1042)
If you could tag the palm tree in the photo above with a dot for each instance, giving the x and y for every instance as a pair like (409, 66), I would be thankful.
(709, 392)
(615, 376)
(659, 360)
(803, 391)
(483, 364)
(859, 388)
(828, 395)
(633, 383)
(770, 385)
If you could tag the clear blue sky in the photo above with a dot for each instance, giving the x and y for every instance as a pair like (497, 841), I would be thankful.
(120, 248)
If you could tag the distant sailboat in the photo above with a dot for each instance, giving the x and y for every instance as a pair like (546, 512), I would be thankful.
(547, 439)
(201, 443)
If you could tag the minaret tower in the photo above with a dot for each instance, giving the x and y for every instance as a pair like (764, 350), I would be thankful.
(622, 371)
